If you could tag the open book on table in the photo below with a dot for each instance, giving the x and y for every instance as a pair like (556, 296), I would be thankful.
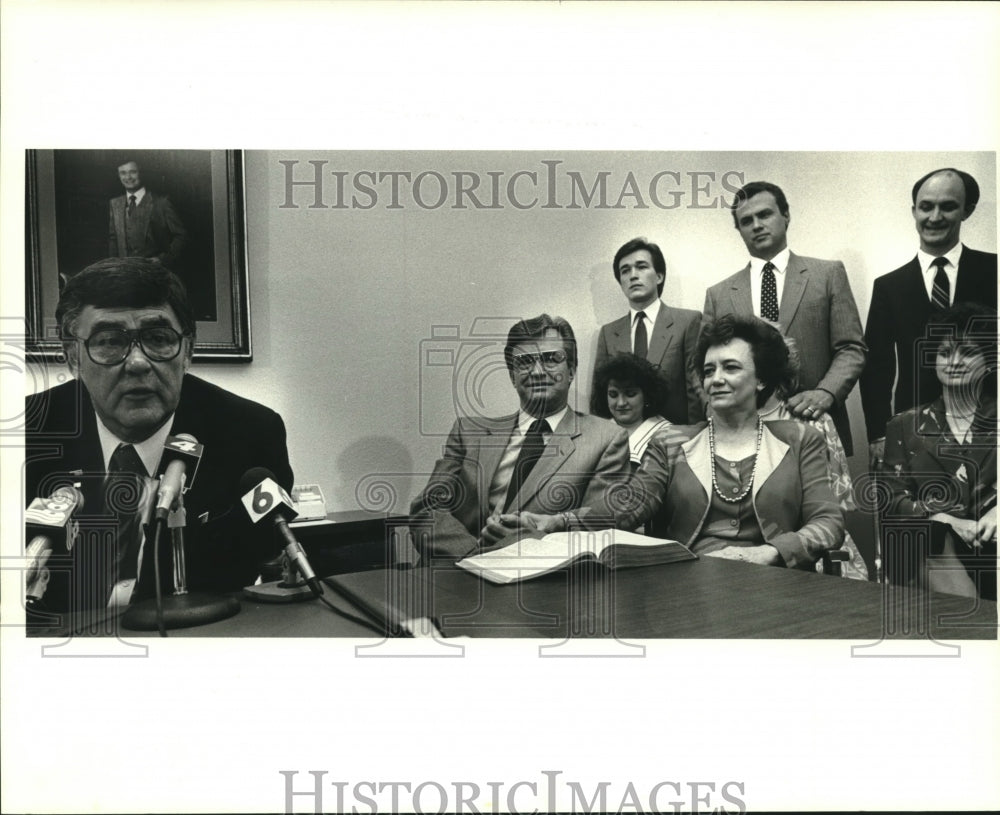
(528, 555)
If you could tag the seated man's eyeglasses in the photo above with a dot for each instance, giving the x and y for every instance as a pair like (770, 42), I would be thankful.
(549, 360)
(111, 346)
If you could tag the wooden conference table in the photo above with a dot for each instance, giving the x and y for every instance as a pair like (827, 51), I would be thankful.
(706, 598)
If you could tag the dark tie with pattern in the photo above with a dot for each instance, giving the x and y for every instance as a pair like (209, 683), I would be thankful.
(131, 206)
(123, 491)
(941, 291)
(641, 340)
(768, 293)
(531, 451)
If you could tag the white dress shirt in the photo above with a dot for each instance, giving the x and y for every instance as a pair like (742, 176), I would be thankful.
(780, 263)
(139, 195)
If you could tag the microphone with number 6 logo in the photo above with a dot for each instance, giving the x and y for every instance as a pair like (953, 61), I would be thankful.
(178, 465)
(265, 500)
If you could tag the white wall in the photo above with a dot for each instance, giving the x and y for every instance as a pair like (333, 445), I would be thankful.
(344, 300)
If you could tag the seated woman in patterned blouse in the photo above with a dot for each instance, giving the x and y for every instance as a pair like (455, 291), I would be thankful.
(631, 391)
(776, 408)
(739, 487)
(941, 458)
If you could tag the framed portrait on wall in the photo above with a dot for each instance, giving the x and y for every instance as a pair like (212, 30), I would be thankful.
(85, 205)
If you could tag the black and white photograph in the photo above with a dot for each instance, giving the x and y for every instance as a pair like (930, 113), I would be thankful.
(593, 412)
(182, 209)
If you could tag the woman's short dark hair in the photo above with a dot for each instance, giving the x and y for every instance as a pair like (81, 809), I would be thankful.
(771, 359)
(629, 370)
(970, 323)
(123, 283)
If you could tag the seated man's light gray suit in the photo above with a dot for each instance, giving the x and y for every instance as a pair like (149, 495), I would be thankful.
(583, 457)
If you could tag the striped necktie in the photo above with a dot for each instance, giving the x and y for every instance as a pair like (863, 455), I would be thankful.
(941, 291)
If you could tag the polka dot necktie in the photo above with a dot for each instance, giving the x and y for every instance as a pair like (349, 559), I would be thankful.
(941, 291)
(768, 294)
(641, 344)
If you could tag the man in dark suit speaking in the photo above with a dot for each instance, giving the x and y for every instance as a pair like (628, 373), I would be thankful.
(943, 272)
(128, 333)
(142, 223)
(663, 335)
(539, 468)
(809, 298)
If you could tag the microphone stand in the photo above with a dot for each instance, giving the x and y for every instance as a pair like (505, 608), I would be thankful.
(182, 609)
(290, 589)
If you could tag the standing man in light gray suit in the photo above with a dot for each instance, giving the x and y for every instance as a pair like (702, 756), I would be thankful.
(142, 223)
(810, 299)
(663, 335)
(541, 468)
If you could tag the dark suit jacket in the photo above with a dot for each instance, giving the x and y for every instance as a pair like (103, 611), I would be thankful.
(671, 349)
(163, 234)
(795, 507)
(897, 318)
(818, 312)
(927, 471)
(583, 457)
(223, 549)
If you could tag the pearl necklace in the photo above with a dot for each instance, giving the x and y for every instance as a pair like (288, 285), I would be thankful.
(753, 472)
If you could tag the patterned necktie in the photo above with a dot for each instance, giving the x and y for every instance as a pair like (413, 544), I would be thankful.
(531, 451)
(641, 341)
(123, 492)
(768, 294)
(131, 206)
(941, 291)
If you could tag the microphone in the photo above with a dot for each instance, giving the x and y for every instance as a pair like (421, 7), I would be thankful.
(49, 521)
(264, 498)
(178, 466)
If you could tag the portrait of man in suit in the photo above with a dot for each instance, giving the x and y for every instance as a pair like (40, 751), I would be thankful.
(664, 335)
(539, 468)
(142, 223)
(943, 272)
(810, 300)
(128, 332)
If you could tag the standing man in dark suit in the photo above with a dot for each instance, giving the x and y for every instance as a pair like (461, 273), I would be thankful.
(663, 335)
(943, 272)
(809, 299)
(540, 468)
(128, 333)
(143, 224)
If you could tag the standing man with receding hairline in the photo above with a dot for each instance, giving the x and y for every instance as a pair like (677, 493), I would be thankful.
(943, 272)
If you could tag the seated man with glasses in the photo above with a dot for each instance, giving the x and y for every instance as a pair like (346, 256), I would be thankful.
(128, 333)
(540, 468)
